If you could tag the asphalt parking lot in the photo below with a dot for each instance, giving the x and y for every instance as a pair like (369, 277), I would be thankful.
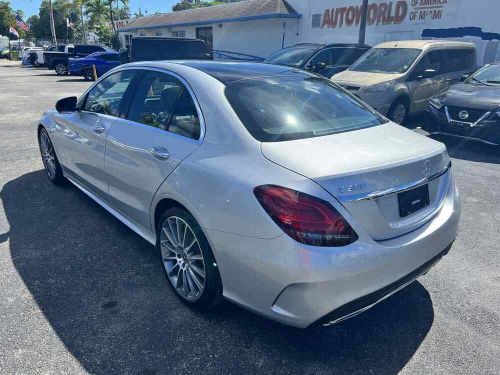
(81, 293)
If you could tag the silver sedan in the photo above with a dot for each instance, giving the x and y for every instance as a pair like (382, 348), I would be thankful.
(271, 187)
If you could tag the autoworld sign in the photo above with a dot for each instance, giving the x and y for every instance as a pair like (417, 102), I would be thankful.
(384, 13)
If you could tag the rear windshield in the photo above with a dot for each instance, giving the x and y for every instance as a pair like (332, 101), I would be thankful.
(157, 49)
(296, 106)
(386, 60)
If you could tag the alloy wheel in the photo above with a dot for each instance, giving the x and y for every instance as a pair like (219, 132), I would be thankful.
(48, 155)
(182, 258)
(60, 69)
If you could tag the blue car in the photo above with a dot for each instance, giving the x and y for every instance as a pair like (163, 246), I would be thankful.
(103, 61)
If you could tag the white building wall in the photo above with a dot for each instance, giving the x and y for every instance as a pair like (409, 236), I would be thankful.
(257, 37)
(402, 19)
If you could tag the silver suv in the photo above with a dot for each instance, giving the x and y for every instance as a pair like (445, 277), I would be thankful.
(399, 78)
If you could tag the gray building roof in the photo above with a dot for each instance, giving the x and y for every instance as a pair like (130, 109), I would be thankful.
(232, 12)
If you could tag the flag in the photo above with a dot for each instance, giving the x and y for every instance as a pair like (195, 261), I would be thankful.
(69, 24)
(23, 25)
(14, 32)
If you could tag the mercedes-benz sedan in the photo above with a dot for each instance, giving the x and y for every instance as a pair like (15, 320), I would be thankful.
(266, 185)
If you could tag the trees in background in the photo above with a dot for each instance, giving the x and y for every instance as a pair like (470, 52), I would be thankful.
(85, 16)
(7, 17)
(191, 4)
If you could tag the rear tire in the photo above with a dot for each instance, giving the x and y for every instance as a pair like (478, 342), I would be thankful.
(51, 164)
(61, 69)
(188, 260)
(398, 111)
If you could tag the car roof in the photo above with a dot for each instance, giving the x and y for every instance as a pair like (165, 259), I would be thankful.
(228, 72)
(424, 44)
(328, 45)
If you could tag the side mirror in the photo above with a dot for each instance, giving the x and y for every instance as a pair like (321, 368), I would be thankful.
(66, 104)
(428, 73)
(463, 77)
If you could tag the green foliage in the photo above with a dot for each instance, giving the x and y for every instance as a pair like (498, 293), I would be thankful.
(7, 18)
(97, 15)
(191, 4)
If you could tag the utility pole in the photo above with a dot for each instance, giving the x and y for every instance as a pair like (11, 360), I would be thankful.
(84, 36)
(362, 24)
(52, 26)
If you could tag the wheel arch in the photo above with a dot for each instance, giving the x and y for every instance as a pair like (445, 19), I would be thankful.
(163, 205)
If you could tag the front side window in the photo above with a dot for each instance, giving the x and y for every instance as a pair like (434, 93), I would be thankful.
(432, 60)
(106, 96)
(163, 102)
(296, 106)
(386, 60)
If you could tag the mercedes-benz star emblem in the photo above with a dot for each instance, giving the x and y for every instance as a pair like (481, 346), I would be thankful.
(464, 115)
(426, 168)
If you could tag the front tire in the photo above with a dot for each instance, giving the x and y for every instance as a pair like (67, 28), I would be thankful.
(398, 111)
(188, 259)
(61, 69)
(49, 158)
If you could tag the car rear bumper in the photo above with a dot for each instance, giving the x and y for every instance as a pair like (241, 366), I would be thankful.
(299, 285)
(438, 124)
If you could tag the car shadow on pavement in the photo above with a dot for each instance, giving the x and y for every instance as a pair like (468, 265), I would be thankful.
(103, 290)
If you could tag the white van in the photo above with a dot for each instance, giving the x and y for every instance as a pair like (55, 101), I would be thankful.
(399, 78)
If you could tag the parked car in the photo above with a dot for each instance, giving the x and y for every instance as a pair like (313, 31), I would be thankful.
(59, 60)
(470, 109)
(263, 184)
(152, 48)
(102, 61)
(324, 59)
(399, 78)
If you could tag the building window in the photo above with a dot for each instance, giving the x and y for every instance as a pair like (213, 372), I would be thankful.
(159, 33)
(316, 21)
(179, 34)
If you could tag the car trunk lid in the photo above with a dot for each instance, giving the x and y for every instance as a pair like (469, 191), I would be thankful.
(366, 170)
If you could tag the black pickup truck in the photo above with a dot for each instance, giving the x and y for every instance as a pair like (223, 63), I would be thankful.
(152, 48)
(59, 60)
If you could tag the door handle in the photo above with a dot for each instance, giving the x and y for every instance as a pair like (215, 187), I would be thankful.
(159, 152)
(99, 128)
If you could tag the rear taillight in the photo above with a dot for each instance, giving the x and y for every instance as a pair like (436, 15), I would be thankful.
(307, 219)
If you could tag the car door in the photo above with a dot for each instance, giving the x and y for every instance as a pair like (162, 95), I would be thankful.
(421, 88)
(107, 62)
(458, 62)
(163, 127)
(83, 133)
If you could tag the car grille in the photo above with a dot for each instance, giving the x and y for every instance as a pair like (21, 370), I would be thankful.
(473, 114)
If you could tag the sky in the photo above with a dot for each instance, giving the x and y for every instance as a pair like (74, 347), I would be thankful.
(30, 7)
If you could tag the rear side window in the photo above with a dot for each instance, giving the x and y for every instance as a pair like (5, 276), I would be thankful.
(163, 102)
(458, 60)
(105, 97)
(111, 57)
(293, 106)
(337, 56)
(88, 49)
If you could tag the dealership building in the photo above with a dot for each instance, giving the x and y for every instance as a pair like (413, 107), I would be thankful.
(260, 27)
